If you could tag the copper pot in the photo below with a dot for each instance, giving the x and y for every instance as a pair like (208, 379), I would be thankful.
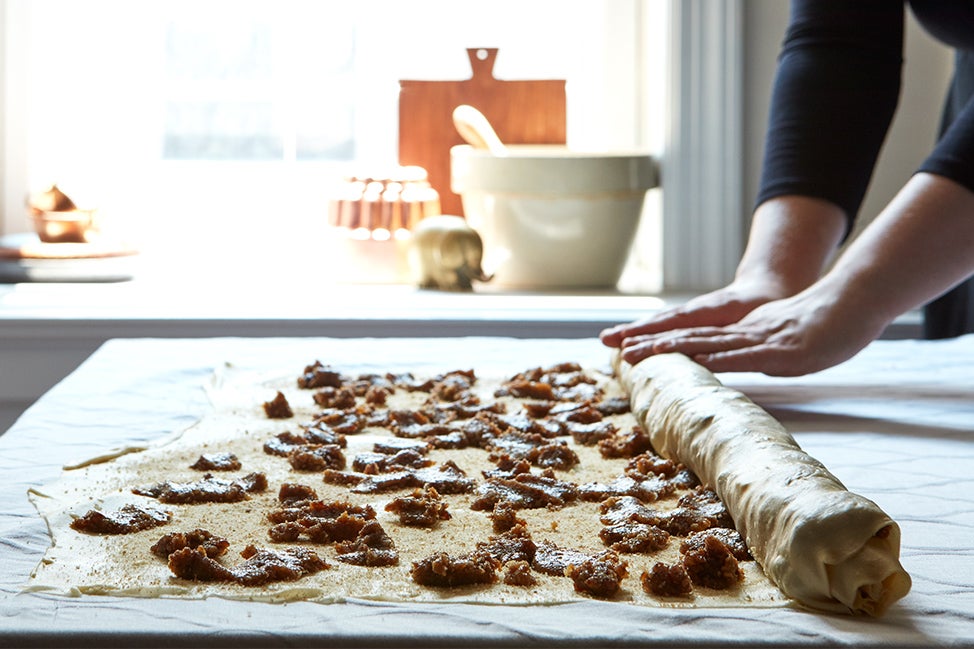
(390, 202)
(72, 226)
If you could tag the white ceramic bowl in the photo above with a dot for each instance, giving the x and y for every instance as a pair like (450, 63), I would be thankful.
(551, 217)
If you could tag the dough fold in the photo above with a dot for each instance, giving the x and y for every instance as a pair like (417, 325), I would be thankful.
(822, 545)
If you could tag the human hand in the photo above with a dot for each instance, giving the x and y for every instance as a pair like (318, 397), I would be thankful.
(791, 240)
(789, 337)
(718, 308)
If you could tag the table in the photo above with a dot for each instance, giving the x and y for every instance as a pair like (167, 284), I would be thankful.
(48, 329)
(896, 424)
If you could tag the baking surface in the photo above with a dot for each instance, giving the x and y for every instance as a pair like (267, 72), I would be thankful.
(896, 424)
(236, 423)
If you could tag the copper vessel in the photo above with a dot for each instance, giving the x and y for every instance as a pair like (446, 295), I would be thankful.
(383, 204)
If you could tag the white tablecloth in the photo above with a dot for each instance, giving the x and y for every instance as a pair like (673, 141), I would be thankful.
(896, 424)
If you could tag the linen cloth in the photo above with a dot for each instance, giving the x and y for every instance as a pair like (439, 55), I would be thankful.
(895, 424)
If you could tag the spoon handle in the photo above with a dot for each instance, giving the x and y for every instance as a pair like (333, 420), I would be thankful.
(476, 130)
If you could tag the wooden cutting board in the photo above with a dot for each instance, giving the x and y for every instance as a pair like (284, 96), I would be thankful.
(521, 111)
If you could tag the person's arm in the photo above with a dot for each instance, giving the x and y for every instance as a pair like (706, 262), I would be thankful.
(920, 246)
(834, 95)
(791, 240)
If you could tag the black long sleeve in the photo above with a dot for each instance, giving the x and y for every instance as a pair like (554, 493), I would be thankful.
(834, 95)
(836, 90)
(953, 157)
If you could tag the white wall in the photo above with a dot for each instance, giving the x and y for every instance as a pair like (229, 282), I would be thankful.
(13, 131)
(3, 109)
(926, 75)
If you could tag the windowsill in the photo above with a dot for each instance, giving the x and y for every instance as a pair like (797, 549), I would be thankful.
(146, 308)
(305, 307)
(48, 329)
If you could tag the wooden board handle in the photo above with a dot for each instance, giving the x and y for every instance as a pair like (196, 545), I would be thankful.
(482, 62)
(522, 111)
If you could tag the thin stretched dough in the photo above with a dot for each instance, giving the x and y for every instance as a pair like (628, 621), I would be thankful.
(822, 545)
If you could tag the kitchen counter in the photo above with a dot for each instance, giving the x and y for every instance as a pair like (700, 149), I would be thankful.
(329, 309)
(47, 329)
(893, 424)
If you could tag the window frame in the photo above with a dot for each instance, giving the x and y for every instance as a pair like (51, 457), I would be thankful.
(702, 213)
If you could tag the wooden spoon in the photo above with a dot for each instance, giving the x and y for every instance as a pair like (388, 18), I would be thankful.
(476, 130)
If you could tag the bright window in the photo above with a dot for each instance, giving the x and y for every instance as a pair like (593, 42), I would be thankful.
(214, 130)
